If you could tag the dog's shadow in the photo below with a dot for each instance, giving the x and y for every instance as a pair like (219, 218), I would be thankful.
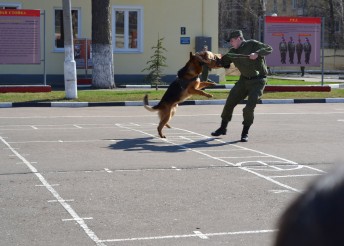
(151, 144)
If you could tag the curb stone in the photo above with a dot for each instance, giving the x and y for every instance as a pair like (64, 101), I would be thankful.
(153, 102)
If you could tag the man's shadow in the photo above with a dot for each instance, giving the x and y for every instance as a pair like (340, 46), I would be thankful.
(154, 145)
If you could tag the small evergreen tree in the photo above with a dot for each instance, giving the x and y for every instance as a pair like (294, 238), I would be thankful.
(156, 64)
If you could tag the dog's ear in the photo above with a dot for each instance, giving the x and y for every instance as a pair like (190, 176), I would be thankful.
(191, 55)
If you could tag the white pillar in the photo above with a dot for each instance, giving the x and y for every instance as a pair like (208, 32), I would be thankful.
(69, 62)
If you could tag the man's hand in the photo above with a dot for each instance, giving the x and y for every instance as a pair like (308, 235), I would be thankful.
(253, 56)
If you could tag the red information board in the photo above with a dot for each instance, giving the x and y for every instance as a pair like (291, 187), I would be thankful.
(295, 40)
(20, 36)
(83, 53)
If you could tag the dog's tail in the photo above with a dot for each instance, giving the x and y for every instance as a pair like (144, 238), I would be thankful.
(146, 104)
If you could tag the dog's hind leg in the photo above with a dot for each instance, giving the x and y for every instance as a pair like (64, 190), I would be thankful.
(174, 109)
(165, 117)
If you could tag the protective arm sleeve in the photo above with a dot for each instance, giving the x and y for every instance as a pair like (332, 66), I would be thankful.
(226, 61)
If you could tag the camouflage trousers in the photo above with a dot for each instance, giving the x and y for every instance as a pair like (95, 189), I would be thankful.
(250, 88)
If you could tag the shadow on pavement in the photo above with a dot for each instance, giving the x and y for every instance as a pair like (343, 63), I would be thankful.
(151, 144)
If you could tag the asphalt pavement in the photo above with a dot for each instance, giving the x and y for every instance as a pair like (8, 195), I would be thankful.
(102, 176)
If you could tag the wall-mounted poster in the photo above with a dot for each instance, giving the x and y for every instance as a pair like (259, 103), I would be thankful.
(20, 36)
(295, 40)
(83, 53)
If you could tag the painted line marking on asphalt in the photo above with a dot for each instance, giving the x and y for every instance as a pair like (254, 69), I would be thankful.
(295, 175)
(238, 157)
(274, 168)
(315, 169)
(270, 179)
(108, 170)
(78, 219)
(222, 150)
(280, 191)
(57, 196)
(239, 165)
(65, 141)
(134, 124)
(77, 126)
(42, 185)
(34, 127)
(189, 235)
(201, 235)
(67, 200)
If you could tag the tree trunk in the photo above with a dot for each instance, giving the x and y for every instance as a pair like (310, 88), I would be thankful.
(332, 37)
(102, 54)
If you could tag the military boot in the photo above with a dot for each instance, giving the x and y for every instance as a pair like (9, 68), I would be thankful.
(222, 130)
(244, 134)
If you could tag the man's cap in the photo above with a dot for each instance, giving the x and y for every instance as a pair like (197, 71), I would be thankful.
(234, 34)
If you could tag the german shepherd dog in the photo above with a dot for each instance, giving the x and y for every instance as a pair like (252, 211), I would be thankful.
(186, 85)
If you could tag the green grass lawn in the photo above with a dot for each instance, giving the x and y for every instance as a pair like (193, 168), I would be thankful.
(273, 81)
(117, 95)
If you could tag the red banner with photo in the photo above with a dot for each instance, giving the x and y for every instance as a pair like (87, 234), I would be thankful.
(295, 40)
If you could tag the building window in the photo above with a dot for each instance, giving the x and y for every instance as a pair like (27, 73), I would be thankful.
(127, 29)
(59, 31)
(10, 5)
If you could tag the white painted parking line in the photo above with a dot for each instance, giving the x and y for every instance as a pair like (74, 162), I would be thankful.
(57, 196)
(42, 185)
(241, 157)
(78, 219)
(280, 191)
(270, 179)
(107, 170)
(68, 200)
(64, 141)
(243, 165)
(295, 175)
(201, 235)
(189, 236)
(315, 169)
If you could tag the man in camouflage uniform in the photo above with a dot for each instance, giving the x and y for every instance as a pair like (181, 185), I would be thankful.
(299, 49)
(248, 57)
(307, 47)
(283, 48)
(291, 50)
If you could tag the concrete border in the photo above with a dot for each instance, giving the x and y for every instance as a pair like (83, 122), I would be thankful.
(138, 103)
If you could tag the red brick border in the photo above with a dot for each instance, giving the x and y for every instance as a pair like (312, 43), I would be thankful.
(24, 88)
